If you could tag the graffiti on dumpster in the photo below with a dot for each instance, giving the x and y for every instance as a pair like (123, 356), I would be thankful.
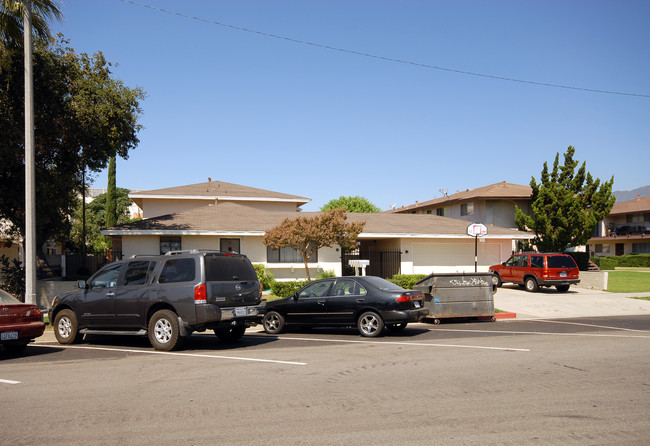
(474, 281)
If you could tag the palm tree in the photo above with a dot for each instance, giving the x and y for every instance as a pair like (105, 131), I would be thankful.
(11, 21)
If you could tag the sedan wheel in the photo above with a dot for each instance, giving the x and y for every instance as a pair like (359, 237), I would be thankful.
(273, 322)
(496, 280)
(370, 324)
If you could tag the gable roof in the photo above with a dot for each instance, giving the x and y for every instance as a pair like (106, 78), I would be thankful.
(498, 191)
(639, 204)
(231, 219)
(217, 191)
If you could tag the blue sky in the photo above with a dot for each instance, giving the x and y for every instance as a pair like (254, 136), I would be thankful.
(301, 119)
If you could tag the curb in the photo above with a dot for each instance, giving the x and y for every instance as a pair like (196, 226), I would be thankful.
(505, 315)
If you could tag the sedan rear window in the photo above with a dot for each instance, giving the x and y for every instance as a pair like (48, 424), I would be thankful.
(561, 262)
(383, 284)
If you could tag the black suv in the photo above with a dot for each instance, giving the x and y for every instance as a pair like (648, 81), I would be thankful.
(167, 296)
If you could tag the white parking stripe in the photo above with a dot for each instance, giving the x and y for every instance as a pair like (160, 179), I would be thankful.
(595, 326)
(414, 344)
(155, 352)
(601, 335)
(8, 381)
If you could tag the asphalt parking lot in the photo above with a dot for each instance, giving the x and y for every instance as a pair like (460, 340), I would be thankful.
(563, 381)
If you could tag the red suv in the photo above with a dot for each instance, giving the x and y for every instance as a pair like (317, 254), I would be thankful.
(532, 270)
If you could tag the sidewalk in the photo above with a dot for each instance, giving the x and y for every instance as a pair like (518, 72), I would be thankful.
(577, 302)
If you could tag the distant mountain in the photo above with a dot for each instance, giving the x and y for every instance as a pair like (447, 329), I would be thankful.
(627, 195)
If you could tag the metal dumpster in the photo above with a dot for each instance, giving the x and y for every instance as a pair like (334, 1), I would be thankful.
(451, 295)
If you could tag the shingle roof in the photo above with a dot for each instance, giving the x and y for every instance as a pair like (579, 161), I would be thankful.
(500, 191)
(219, 190)
(234, 218)
(639, 204)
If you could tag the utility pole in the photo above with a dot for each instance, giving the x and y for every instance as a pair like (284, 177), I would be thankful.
(30, 171)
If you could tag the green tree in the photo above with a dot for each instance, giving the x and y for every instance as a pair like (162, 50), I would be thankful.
(308, 234)
(111, 199)
(11, 21)
(83, 116)
(566, 205)
(351, 204)
(96, 220)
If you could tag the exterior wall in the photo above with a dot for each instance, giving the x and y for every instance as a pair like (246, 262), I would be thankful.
(452, 255)
(420, 256)
(329, 259)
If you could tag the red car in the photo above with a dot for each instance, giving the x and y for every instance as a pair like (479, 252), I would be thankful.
(19, 323)
(532, 270)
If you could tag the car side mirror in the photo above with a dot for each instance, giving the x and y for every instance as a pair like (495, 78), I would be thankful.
(295, 296)
(503, 263)
(81, 284)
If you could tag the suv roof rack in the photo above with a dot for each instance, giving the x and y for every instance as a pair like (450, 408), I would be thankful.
(198, 251)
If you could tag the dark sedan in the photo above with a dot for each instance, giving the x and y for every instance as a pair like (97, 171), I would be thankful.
(370, 303)
(19, 323)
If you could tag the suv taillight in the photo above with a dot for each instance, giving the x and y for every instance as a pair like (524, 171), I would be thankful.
(200, 294)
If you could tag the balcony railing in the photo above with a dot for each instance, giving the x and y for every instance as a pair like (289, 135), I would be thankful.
(628, 229)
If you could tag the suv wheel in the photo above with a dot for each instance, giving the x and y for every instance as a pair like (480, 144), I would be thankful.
(66, 328)
(531, 284)
(562, 288)
(163, 330)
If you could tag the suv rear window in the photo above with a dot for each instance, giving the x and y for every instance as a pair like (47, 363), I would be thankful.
(561, 262)
(224, 268)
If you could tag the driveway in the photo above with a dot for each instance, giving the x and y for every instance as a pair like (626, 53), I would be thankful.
(577, 302)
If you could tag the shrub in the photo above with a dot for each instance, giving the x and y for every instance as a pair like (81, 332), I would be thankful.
(607, 263)
(406, 281)
(264, 276)
(13, 277)
(325, 275)
(627, 260)
(286, 289)
(582, 259)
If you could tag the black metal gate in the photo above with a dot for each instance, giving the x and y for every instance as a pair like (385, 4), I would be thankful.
(384, 263)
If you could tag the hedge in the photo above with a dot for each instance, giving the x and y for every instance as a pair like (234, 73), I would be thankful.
(628, 260)
(406, 281)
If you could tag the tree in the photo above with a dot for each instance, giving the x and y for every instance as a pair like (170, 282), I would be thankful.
(96, 220)
(308, 234)
(351, 204)
(566, 205)
(111, 203)
(11, 21)
(83, 116)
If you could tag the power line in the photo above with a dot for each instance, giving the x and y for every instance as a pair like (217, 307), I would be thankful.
(384, 58)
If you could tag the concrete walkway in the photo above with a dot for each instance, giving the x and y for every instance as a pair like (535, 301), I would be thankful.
(577, 302)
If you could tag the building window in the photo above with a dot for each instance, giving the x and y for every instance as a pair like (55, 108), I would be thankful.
(442, 212)
(466, 209)
(287, 255)
(170, 244)
(229, 245)
(641, 248)
(429, 211)
(602, 248)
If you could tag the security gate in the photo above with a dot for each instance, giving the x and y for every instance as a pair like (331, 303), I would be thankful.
(384, 263)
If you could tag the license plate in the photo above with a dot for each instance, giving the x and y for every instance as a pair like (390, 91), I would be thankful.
(563, 274)
(417, 304)
(9, 335)
(240, 311)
